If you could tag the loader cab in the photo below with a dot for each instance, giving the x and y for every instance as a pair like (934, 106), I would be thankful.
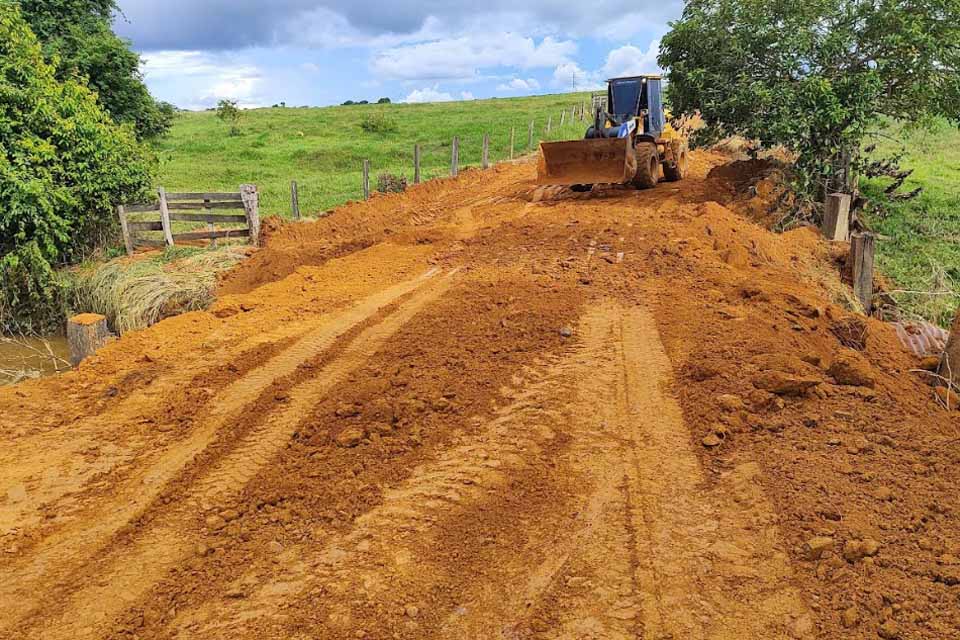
(637, 97)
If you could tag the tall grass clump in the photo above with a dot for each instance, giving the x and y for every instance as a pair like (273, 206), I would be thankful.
(134, 294)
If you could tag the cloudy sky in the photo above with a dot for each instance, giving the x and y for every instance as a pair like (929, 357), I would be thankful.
(321, 52)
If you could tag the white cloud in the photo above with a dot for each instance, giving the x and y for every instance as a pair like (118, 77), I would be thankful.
(629, 60)
(310, 67)
(519, 84)
(466, 95)
(205, 77)
(464, 58)
(429, 94)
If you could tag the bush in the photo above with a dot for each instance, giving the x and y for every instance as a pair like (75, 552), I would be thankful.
(389, 183)
(64, 165)
(378, 123)
(229, 112)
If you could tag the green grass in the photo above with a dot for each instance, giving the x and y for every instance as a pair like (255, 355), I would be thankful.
(922, 253)
(323, 148)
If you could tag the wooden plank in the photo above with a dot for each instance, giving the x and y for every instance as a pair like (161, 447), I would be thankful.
(214, 197)
(513, 134)
(138, 225)
(530, 137)
(455, 156)
(862, 247)
(416, 164)
(294, 200)
(148, 242)
(251, 207)
(125, 230)
(836, 217)
(366, 179)
(141, 208)
(211, 235)
(202, 206)
(485, 154)
(208, 217)
(165, 216)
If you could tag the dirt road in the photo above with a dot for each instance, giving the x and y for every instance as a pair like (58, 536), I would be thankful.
(483, 409)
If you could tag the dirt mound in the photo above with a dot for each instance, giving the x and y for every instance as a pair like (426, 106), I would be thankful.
(758, 187)
(468, 411)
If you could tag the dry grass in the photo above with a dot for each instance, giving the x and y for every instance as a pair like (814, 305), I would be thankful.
(134, 294)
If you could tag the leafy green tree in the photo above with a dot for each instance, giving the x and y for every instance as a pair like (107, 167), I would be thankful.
(77, 34)
(64, 164)
(229, 112)
(814, 75)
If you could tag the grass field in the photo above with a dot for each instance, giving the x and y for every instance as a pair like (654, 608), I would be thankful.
(323, 148)
(922, 254)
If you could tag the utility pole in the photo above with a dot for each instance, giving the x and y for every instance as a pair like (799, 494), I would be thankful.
(574, 81)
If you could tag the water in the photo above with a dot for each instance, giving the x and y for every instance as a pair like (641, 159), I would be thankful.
(24, 358)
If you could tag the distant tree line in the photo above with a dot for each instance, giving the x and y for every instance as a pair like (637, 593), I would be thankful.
(349, 103)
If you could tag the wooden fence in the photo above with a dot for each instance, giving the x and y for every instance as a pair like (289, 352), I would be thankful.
(205, 208)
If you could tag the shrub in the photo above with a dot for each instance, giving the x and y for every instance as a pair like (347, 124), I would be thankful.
(378, 123)
(389, 183)
(229, 112)
(64, 164)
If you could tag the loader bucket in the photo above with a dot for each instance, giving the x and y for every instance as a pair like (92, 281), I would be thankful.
(589, 161)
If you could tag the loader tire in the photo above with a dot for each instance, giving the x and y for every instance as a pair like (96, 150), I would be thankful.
(648, 166)
(678, 169)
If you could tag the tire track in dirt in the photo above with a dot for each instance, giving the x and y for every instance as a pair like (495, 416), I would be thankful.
(54, 560)
(664, 555)
(652, 551)
(712, 564)
(355, 561)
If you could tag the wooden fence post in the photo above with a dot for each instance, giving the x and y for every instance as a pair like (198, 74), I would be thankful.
(862, 247)
(416, 164)
(294, 200)
(836, 217)
(210, 227)
(950, 363)
(366, 179)
(583, 110)
(455, 157)
(485, 155)
(549, 123)
(125, 230)
(251, 207)
(513, 133)
(86, 333)
(563, 117)
(530, 137)
(165, 216)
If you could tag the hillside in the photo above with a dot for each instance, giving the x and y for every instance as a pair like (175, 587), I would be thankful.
(323, 148)
(921, 252)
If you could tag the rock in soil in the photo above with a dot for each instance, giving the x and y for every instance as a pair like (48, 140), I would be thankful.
(849, 368)
(350, 437)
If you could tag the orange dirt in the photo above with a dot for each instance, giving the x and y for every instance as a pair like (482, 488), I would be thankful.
(487, 409)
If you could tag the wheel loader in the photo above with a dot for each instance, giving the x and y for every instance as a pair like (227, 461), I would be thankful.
(628, 142)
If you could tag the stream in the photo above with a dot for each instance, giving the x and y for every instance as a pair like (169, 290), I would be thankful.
(25, 358)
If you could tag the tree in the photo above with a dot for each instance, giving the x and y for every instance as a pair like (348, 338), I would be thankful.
(814, 75)
(64, 164)
(77, 36)
(229, 113)
(383, 101)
